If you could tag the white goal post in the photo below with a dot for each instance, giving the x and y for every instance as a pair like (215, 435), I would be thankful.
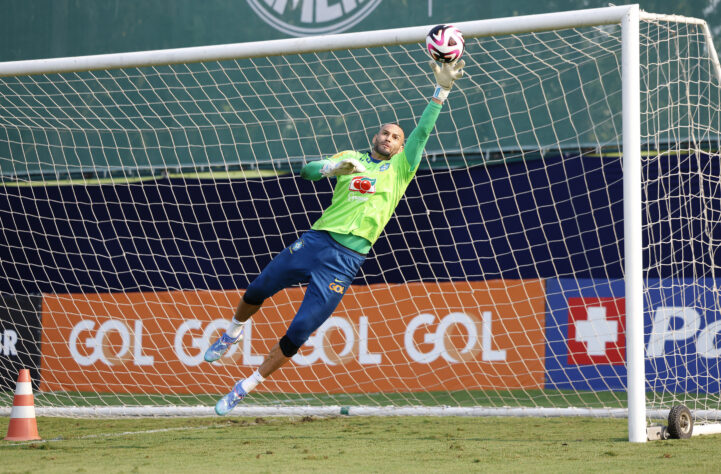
(71, 129)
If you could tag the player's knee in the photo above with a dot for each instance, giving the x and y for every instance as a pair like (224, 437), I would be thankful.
(253, 297)
(287, 347)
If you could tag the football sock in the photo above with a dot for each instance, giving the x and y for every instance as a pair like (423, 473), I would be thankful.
(235, 328)
(251, 382)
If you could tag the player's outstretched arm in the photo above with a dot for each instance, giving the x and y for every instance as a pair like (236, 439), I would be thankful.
(316, 170)
(445, 75)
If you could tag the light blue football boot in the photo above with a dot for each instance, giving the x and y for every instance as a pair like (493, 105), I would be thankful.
(226, 404)
(220, 347)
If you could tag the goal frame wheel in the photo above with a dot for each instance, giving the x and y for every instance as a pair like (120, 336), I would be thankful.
(680, 422)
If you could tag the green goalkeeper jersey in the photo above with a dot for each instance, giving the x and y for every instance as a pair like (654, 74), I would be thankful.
(364, 202)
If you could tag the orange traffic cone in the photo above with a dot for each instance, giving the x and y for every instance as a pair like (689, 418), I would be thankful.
(22, 425)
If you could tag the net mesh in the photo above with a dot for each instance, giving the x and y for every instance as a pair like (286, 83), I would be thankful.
(138, 203)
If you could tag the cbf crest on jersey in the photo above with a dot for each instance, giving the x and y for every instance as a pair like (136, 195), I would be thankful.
(297, 245)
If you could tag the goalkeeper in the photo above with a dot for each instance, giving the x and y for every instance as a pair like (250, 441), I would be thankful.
(368, 188)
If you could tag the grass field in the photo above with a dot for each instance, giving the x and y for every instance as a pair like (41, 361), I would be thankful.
(349, 444)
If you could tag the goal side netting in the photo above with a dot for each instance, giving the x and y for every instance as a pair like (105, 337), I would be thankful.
(141, 193)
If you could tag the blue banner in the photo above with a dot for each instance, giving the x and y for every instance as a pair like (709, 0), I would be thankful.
(587, 308)
(586, 336)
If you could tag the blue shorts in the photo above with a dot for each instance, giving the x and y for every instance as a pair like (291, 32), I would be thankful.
(315, 258)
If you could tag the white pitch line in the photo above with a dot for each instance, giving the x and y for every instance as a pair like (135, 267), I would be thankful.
(161, 430)
(124, 433)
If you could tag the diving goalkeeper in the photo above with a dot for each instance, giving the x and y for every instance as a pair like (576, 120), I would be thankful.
(368, 188)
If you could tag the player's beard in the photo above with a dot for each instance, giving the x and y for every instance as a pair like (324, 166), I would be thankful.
(377, 148)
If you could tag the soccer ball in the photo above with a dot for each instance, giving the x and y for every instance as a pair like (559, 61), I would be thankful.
(445, 43)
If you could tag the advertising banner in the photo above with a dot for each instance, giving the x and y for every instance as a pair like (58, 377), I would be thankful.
(586, 335)
(383, 337)
(19, 338)
(683, 329)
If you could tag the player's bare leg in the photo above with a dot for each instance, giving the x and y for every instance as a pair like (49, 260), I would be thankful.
(273, 361)
(244, 311)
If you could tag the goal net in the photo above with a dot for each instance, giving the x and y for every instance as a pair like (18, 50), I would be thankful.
(139, 198)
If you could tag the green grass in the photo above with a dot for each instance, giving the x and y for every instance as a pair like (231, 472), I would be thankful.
(349, 444)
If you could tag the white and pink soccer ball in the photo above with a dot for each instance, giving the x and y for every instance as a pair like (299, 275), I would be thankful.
(445, 43)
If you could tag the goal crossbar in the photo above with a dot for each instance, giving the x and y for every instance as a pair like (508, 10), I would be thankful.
(389, 37)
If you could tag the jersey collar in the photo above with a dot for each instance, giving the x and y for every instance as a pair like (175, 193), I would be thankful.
(370, 157)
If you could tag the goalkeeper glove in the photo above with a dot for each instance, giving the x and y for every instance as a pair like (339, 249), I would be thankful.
(343, 167)
(446, 74)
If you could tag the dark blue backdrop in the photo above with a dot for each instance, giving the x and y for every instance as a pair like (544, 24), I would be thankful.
(560, 216)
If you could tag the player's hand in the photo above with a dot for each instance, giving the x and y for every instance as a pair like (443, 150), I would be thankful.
(343, 167)
(447, 73)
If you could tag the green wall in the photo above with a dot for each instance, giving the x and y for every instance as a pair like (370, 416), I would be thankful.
(278, 112)
(35, 29)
